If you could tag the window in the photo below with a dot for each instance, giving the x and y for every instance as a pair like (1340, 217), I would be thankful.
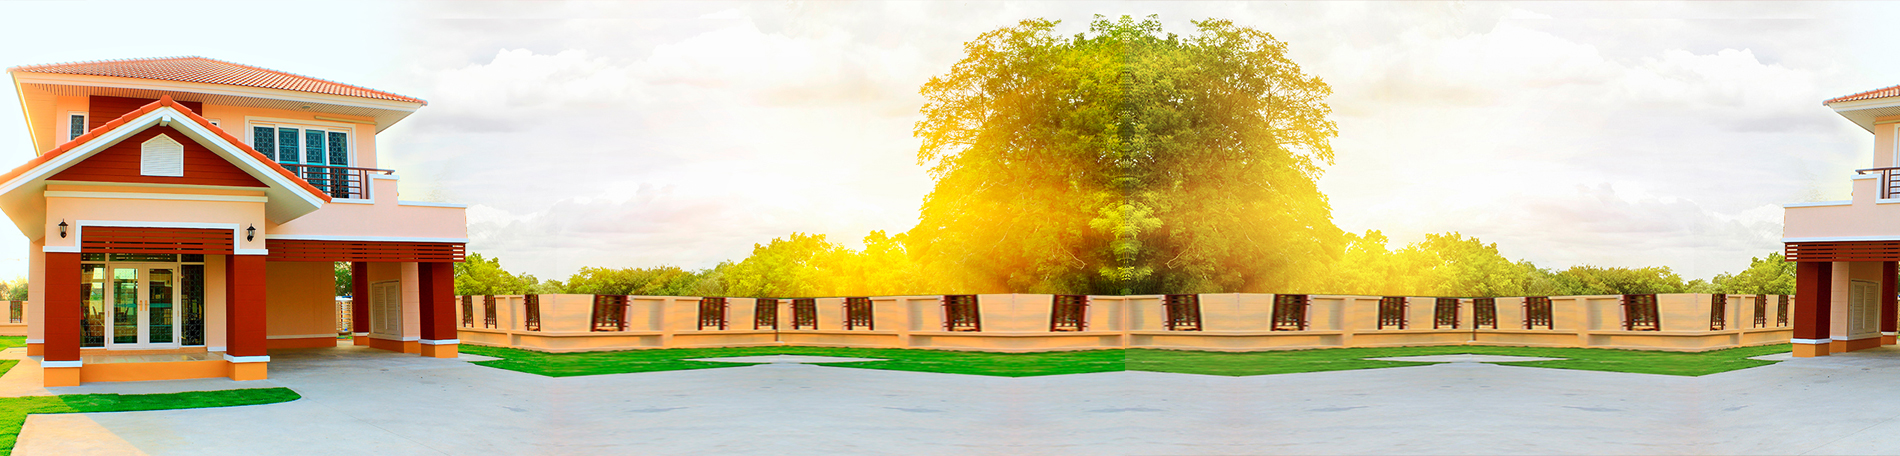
(804, 313)
(531, 312)
(610, 313)
(1181, 312)
(1718, 312)
(93, 315)
(1445, 313)
(712, 313)
(1289, 312)
(1639, 313)
(488, 313)
(1392, 312)
(1069, 313)
(1484, 312)
(308, 151)
(858, 312)
(75, 125)
(1537, 312)
(385, 309)
(162, 156)
(192, 293)
(960, 313)
(765, 313)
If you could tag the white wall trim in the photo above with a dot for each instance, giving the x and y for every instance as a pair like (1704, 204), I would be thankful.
(1854, 338)
(1866, 176)
(300, 336)
(162, 196)
(60, 249)
(1810, 341)
(1819, 204)
(398, 339)
(385, 176)
(1886, 200)
(430, 204)
(322, 237)
(36, 341)
(1889, 333)
(250, 251)
(361, 334)
(441, 342)
(351, 201)
(218, 348)
(61, 363)
(1841, 239)
(246, 359)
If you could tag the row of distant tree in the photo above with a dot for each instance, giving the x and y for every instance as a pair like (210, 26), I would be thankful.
(1441, 265)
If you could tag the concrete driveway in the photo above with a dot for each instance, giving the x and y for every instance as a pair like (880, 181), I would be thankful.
(358, 400)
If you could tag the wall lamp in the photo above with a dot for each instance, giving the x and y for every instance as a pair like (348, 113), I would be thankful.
(62, 228)
(250, 233)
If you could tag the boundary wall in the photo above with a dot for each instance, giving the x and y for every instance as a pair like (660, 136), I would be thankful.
(1219, 322)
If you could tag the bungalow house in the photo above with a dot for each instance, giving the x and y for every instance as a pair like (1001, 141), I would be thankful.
(194, 209)
(1845, 251)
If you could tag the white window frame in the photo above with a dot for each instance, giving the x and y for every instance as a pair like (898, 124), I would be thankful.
(66, 127)
(349, 147)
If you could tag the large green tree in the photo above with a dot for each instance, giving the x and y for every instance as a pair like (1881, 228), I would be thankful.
(1125, 160)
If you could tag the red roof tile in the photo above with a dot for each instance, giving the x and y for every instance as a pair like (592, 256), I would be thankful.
(1868, 95)
(162, 102)
(210, 71)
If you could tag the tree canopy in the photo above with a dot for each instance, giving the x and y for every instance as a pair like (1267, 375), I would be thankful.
(1125, 160)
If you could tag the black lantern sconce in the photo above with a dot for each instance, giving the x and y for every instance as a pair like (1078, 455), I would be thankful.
(62, 228)
(250, 233)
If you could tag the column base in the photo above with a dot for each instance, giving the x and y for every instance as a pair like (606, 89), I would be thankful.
(60, 376)
(1837, 346)
(1810, 350)
(35, 349)
(1889, 340)
(250, 371)
(440, 351)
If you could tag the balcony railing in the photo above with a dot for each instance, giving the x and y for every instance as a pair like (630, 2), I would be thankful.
(338, 181)
(1889, 180)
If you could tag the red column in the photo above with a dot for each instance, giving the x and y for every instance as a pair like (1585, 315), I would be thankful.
(1889, 273)
(1812, 296)
(244, 317)
(62, 316)
(437, 291)
(359, 298)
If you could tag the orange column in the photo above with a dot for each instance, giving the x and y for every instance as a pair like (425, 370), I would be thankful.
(244, 317)
(1889, 273)
(439, 339)
(62, 315)
(1812, 292)
(359, 300)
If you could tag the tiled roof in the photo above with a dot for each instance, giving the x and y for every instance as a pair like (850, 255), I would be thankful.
(210, 71)
(162, 102)
(1868, 95)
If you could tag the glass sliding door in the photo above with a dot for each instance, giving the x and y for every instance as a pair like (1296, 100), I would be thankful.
(143, 303)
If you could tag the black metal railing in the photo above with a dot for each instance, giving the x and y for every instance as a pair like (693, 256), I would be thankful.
(338, 181)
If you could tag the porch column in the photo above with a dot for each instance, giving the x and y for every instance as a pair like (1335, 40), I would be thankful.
(245, 343)
(437, 293)
(1889, 274)
(61, 360)
(1813, 284)
(359, 301)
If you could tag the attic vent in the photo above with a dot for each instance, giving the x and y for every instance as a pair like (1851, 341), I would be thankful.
(162, 156)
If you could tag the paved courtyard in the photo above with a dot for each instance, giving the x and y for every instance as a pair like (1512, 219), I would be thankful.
(360, 400)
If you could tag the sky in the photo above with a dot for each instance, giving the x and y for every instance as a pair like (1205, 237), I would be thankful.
(639, 134)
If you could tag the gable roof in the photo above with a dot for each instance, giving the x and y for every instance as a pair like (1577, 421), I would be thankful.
(212, 71)
(1868, 95)
(288, 196)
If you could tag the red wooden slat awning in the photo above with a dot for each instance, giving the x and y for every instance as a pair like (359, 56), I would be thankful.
(1843, 251)
(364, 251)
(113, 239)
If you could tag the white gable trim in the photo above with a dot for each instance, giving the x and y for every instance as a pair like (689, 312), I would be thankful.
(163, 116)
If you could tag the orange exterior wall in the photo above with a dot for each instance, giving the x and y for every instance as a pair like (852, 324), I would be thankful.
(300, 303)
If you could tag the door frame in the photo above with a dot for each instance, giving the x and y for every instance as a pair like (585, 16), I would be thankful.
(144, 322)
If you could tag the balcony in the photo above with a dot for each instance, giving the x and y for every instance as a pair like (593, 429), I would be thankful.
(340, 182)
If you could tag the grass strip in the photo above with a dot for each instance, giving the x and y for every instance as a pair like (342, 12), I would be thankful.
(939, 361)
(1332, 359)
(1171, 361)
(13, 410)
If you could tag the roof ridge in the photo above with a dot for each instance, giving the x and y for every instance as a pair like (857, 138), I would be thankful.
(1862, 95)
(297, 82)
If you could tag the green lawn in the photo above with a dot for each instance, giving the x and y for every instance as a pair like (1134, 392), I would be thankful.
(7, 342)
(1331, 359)
(13, 410)
(950, 362)
(1173, 361)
